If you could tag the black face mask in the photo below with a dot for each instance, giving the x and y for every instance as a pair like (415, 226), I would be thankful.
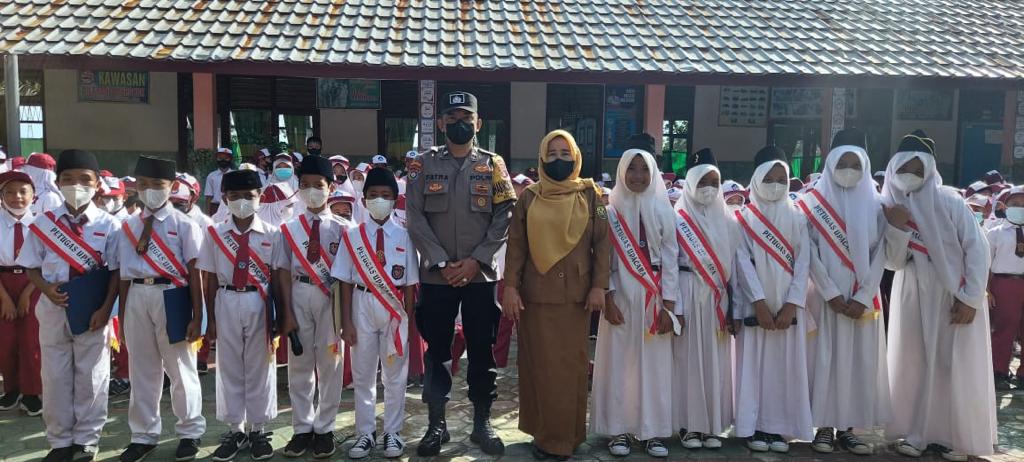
(459, 132)
(1000, 213)
(313, 151)
(222, 164)
(340, 179)
(181, 207)
(559, 169)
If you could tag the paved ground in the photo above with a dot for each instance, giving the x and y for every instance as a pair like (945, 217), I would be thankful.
(22, 439)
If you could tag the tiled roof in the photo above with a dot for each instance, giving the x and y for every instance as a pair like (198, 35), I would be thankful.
(888, 38)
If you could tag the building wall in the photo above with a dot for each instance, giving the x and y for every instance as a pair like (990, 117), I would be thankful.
(349, 132)
(527, 113)
(943, 132)
(734, 147)
(116, 132)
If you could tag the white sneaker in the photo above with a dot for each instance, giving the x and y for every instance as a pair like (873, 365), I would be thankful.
(394, 447)
(656, 449)
(758, 442)
(778, 444)
(364, 445)
(620, 446)
(712, 442)
(907, 449)
(691, 440)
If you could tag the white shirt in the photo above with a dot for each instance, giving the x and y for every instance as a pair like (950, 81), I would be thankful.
(101, 232)
(331, 228)
(213, 185)
(200, 219)
(7, 222)
(46, 201)
(181, 235)
(401, 262)
(264, 240)
(1003, 241)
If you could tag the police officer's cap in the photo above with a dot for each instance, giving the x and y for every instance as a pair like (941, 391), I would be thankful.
(458, 100)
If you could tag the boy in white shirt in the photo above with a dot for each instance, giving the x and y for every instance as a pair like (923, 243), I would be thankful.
(1006, 286)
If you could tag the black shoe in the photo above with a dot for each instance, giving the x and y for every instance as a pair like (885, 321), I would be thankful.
(483, 435)
(202, 368)
(119, 387)
(58, 455)
(187, 450)
(10, 401)
(167, 382)
(323, 445)
(437, 432)
(1003, 382)
(230, 444)
(32, 405)
(540, 454)
(80, 453)
(136, 452)
(298, 445)
(259, 445)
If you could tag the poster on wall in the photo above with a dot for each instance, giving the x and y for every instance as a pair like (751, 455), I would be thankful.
(113, 86)
(621, 117)
(428, 108)
(924, 104)
(743, 106)
(348, 94)
(796, 103)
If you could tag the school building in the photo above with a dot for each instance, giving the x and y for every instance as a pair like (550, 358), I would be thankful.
(175, 78)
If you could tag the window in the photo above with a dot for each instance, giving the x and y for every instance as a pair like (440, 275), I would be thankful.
(675, 143)
(579, 109)
(32, 139)
(30, 111)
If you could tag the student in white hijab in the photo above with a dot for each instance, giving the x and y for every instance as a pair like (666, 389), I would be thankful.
(40, 167)
(708, 237)
(772, 397)
(849, 377)
(632, 388)
(940, 354)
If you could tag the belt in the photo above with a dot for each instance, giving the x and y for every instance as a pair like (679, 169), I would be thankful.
(655, 268)
(364, 289)
(151, 281)
(305, 280)
(686, 269)
(12, 269)
(1008, 276)
(240, 289)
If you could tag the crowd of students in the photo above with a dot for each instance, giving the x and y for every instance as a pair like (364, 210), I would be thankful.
(765, 310)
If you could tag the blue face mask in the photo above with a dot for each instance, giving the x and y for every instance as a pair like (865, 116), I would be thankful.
(283, 173)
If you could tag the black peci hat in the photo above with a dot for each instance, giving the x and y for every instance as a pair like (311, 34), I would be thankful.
(768, 154)
(77, 158)
(380, 176)
(702, 157)
(152, 167)
(241, 180)
(850, 137)
(316, 165)
(917, 141)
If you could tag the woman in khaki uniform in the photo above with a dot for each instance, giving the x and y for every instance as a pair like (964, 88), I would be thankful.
(556, 273)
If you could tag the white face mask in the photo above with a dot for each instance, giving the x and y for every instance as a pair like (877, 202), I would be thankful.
(734, 207)
(379, 208)
(111, 205)
(1015, 215)
(16, 212)
(77, 195)
(153, 199)
(243, 208)
(358, 186)
(847, 177)
(908, 182)
(705, 195)
(313, 197)
(773, 192)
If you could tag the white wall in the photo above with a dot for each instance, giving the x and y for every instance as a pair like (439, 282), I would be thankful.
(528, 112)
(349, 132)
(730, 144)
(943, 132)
(69, 123)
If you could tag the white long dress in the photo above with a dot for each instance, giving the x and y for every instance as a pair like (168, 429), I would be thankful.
(772, 393)
(849, 378)
(940, 373)
(633, 371)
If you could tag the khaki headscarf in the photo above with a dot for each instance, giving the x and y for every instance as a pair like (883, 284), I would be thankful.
(559, 213)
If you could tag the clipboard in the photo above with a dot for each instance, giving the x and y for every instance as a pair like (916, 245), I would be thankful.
(86, 294)
(178, 309)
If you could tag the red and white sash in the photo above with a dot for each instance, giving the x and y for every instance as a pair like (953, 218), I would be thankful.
(637, 265)
(768, 238)
(704, 260)
(159, 257)
(259, 272)
(69, 247)
(297, 235)
(378, 282)
(916, 240)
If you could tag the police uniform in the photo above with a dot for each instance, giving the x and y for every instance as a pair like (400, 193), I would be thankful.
(319, 366)
(75, 368)
(246, 382)
(145, 320)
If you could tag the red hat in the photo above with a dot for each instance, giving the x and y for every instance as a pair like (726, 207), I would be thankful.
(17, 163)
(668, 176)
(105, 173)
(42, 160)
(114, 186)
(12, 175)
(129, 183)
(340, 196)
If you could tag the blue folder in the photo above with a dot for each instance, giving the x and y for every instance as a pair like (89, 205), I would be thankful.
(86, 294)
(178, 307)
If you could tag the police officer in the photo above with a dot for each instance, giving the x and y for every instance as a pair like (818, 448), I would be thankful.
(459, 206)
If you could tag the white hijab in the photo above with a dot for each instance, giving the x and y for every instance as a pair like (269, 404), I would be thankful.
(787, 219)
(781, 213)
(43, 179)
(858, 206)
(652, 204)
(714, 219)
(937, 228)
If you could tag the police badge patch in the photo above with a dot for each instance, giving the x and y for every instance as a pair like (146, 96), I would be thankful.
(602, 213)
(415, 167)
(397, 271)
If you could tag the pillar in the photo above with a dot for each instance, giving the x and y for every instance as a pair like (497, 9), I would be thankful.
(204, 111)
(13, 101)
(654, 113)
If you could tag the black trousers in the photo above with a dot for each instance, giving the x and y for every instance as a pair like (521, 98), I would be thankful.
(435, 319)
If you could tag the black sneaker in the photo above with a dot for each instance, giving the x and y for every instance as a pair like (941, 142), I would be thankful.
(10, 401)
(80, 453)
(323, 445)
(58, 455)
(758, 442)
(32, 405)
(848, 441)
(259, 445)
(298, 445)
(824, 441)
(202, 368)
(136, 452)
(119, 387)
(1003, 382)
(230, 444)
(187, 450)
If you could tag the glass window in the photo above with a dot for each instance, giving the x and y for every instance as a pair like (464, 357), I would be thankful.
(32, 139)
(250, 131)
(292, 130)
(675, 143)
(401, 134)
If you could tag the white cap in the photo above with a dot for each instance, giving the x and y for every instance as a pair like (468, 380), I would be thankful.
(522, 179)
(363, 167)
(225, 151)
(606, 191)
(412, 155)
(379, 159)
(977, 200)
(606, 176)
(730, 187)
(674, 194)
